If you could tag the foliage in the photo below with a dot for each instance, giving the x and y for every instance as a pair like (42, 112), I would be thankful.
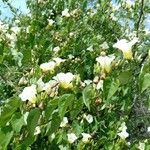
(66, 82)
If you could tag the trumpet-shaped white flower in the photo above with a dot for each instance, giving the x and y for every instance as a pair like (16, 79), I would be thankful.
(64, 122)
(89, 118)
(65, 79)
(126, 47)
(48, 66)
(65, 13)
(71, 137)
(86, 137)
(123, 133)
(105, 62)
(29, 93)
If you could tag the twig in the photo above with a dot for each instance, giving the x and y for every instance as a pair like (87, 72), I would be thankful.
(140, 15)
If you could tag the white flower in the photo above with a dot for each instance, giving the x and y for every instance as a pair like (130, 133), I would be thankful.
(126, 47)
(123, 133)
(58, 60)
(86, 137)
(29, 93)
(105, 62)
(104, 45)
(49, 86)
(148, 129)
(37, 130)
(64, 122)
(71, 137)
(70, 56)
(48, 66)
(40, 84)
(65, 79)
(50, 22)
(65, 13)
(141, 146)
(87, 82)
(56, 49)
(100, 85)
(89, 118)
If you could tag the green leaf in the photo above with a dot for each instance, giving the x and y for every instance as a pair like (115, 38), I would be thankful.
(8, 110)
(55, 123)
(113, 88)
(50, 108)
(88, 94)
(146, 81)
(64, 102)
(77, 107)
(27, 142)
(17, 122)
(125, 76)
(6, 134)
(32, 120)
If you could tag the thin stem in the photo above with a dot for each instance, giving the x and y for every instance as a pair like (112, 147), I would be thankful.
(140, 15)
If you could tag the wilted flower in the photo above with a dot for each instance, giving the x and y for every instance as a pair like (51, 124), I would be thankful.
(71, 137)
(29, 93)
(48, 66)
(64, 122)
(65, 13)
(37, 130)
(105, 62)
(126, 47)
(89, 118)
(123, 133)
(86, 137)
(65, 79)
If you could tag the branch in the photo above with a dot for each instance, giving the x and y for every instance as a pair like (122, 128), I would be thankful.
(140, 15)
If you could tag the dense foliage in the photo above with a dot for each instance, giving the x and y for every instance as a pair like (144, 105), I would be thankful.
(75, 74)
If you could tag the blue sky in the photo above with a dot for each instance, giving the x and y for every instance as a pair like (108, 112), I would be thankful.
(21, 4)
